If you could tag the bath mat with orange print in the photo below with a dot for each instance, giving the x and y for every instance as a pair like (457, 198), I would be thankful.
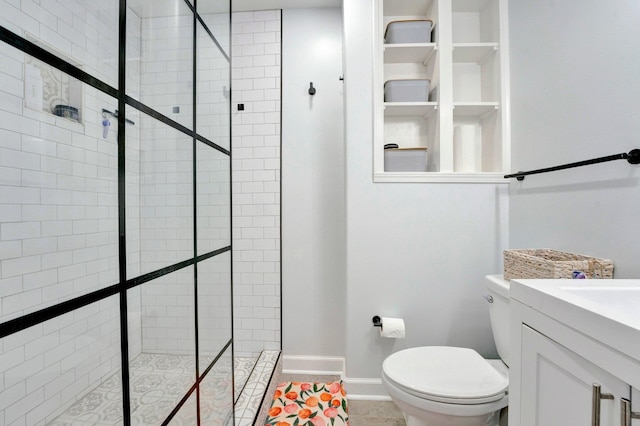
(309, 404)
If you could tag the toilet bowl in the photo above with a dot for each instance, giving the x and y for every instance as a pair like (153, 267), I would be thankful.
(452, 386)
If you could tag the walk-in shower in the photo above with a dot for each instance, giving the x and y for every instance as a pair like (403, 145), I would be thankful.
(115, 213)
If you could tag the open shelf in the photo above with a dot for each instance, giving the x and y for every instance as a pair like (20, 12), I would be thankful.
(473, 52)
(409, 52)
(474, 109)
(409, 109)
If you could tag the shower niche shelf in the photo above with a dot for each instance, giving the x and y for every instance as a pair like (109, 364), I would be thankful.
(51, 91)
(466, 62)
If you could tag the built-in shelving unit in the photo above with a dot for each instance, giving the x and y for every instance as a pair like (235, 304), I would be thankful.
(466, 113)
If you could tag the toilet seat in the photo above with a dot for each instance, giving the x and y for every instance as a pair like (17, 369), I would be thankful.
(445, 374)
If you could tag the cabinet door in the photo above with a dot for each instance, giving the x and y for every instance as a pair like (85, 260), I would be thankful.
(557, 385)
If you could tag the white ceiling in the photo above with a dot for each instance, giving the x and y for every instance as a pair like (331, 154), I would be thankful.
(147, 9)
(244, 5)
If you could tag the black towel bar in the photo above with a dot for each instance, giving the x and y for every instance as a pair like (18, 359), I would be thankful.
(633, 157)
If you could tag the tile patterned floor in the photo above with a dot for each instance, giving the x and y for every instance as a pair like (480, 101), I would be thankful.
(158, 382)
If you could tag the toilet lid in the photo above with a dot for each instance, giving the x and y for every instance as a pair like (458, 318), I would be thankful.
(444, 373)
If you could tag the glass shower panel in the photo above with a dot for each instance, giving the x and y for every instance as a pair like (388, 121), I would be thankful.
(83, 33)
(213, 120)
(216, 391)
(216, 15)
(214, 199)
(159, 195)
(162, 365)
(58, 189)
(160, 72)
(188, 413)
(214, 307)
(65, 370)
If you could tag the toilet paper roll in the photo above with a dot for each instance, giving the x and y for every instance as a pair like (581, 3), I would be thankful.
(392, 328)
(466, 149)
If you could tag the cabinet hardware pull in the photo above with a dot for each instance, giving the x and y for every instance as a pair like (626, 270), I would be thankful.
(625, 412)
(596, 396)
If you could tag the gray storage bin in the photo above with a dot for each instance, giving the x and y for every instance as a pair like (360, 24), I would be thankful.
(416, 31)
(405, 160)
(406, 91)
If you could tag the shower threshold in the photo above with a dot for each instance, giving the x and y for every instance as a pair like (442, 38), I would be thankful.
(258, 389)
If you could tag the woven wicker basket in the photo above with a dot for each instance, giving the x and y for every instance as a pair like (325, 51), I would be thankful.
(548, 263)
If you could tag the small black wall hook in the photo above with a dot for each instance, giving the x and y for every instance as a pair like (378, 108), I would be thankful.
(312, 90)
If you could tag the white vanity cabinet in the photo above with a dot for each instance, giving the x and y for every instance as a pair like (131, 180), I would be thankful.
(571, 365)
(560, 385)
(464, 122)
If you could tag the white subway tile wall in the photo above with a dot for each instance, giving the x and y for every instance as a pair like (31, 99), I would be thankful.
(166, 195)
(218, 22)
(256, 63)
(168, 314)
(64, 357)
(84, 31)
(166, 64)
(58, 238)
(213, 198)
(214, 307)
(213, 118)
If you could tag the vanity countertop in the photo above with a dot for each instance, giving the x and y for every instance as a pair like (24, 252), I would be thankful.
(606, 310)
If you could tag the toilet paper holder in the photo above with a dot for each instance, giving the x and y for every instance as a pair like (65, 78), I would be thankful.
(377, 322)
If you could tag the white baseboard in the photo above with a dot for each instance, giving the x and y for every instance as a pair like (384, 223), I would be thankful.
(362, 389)
(365, 389)
(316, 365)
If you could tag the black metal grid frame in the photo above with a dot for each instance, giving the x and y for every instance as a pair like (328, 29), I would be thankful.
(28, 320)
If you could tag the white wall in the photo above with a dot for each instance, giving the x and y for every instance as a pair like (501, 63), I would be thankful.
(313, 205)
(418, 251)
(575, 92)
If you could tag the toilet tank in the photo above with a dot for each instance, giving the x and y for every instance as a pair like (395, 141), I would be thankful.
(498, 289)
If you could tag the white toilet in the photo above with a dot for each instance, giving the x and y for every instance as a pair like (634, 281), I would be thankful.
(443, 385)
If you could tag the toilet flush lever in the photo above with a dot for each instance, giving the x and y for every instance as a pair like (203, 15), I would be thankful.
(488, 298)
